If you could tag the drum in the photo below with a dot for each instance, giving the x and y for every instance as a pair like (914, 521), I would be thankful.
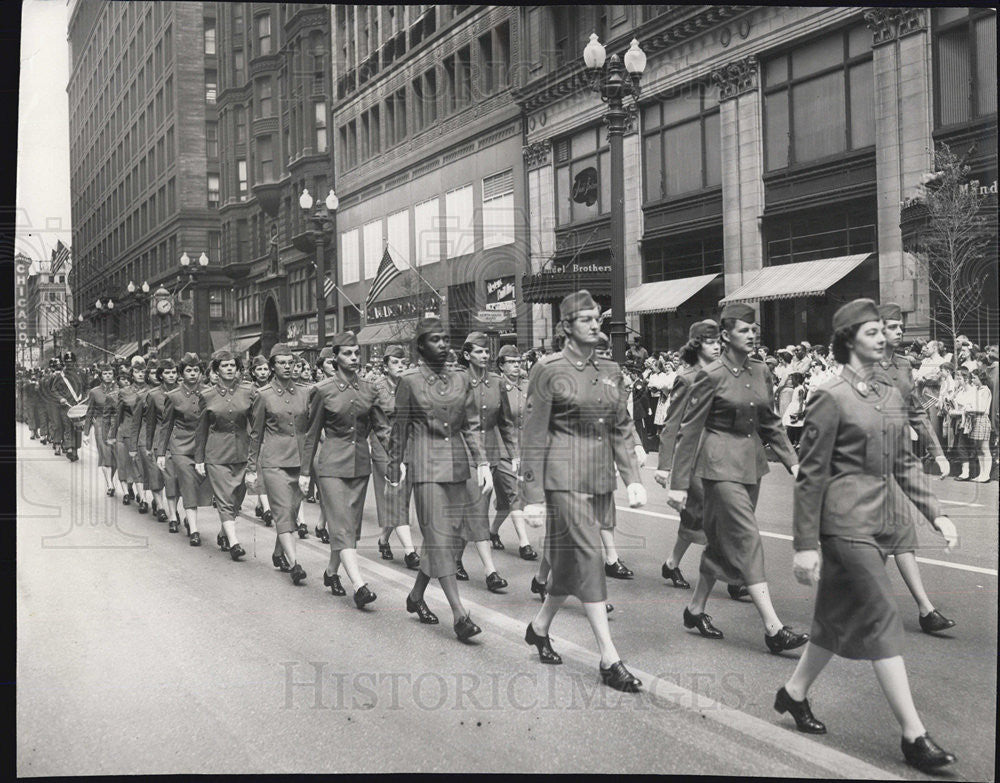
(77, 413)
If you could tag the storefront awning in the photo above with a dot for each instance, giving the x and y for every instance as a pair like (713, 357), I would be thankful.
(551, 287)
(789, 281)
(244, 344)
(127, 350)
(664, 296)
(400, 331)
(220, 340)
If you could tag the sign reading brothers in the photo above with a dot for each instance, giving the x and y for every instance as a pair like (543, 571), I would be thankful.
(585, 186)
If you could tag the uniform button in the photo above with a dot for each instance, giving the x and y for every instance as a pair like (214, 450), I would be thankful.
(748, 434)
(446, 438)
(751, 404)
(878, 407)
(600, 421)
(748, 385)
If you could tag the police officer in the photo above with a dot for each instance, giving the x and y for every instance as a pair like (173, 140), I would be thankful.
(433, 418)
(97, 399)
(577, 430)
(279, 419)
(393, 508)
(904, 537)
(346, 408)
(720, 442)
(855, 465)
(155, 412)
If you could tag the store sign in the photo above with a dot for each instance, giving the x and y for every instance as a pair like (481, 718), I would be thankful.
(585, 186)
(984, 190)
(500, 294)
(405, 307)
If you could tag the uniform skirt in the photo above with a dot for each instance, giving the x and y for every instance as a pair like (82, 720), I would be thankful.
(282, 488)
(257, 487)
(171, 485)
(505, 487)
(855, 614)
(343, 502)
(440, 514)
(152, 478)
(573, 543)
(393, 507)
(228, 488)
(476, 512)
(196, 491)
(128, 471)
(105, 451)
(734, 552)
(691, 528)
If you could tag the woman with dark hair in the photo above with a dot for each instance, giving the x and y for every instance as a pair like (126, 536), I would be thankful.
(972, 409)
(856, 463)
(97, 398)
(345, 408)
(720, 441)
(126, 427)
(792, 407)
(155, 411)
(451, 360)
(393, 508)
(124, 465)
(222, 443)
(152, 475)
(701, 349)
(326, 367)
(176, 440)
(260, 376)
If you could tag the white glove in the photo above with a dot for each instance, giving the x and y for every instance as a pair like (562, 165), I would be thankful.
(402, 477)
(86, 440)
(636, 495)
(250, 477)
(534, 514)
(484, 478)
(677, 499)
(640, 454)
(515, 464)
(161, 463)
(199, 468)
(805, 566)
(795, 471)
(942, 463)
(134, 454)
(304, 485)
(946, 528)
(662, 477)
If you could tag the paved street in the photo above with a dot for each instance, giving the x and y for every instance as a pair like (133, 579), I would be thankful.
(138, 654)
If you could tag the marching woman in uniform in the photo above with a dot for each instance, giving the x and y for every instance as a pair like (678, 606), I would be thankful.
(432, 417)
(857, 478)
(393, 508)
(485, 406)
(222, 443)
(326, 367)
(576, 431)
(124, 465)
(156, 409)
(127, 427)
(97, 398)
(279, 419)
(346, 408)
(152, 475)
(176, 440)
(719, 441)
(260, 375)
(512, 396)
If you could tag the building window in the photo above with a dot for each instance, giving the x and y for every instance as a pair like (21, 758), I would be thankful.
(827, 232)
(819, 100)
(211, 87)
(212, 139)
(265, 159)
(498, 209)
(209, 36)
(583, 176)
(372, 247)
(216, 303)
(681, 144)
(239, 66)
(264, 34)
(398, 235)
(241, 125)
(241, 174)
(965, 64)
(265, 106)
(320, 115)
(349, 257)
(213, 192)
(459, 222)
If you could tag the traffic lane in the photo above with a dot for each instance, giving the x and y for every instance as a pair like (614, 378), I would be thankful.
(182, 661)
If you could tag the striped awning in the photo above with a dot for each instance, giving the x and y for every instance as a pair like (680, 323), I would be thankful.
(790, 281)
(167, 339)
(127, 350)
(664, 296)
(392, 332)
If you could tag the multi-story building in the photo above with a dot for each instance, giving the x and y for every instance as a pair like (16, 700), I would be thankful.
(23, 326)
(767, 161)
(49, 304)
(272, 135)
(144, 169)
(427, 149)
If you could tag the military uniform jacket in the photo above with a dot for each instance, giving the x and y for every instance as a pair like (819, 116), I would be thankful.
(512, 407)
(900, 372)
(576, 428)
(130, 401)
(348, 411)
(495, 432)
(142, 434)
(279, 419)
(97, 400)
(182, 408)
(857, 472)
(727, 420)
(679, 396)
(434, 416)
(385, 388)
(223, 434)
(154, 413)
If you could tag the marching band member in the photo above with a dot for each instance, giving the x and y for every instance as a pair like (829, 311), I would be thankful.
(857, 474)
(97, 398)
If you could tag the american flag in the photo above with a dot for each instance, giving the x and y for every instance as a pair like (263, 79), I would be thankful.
(387, 272)
(328, 286)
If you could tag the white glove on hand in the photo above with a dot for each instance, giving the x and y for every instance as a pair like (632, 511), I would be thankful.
(304, 485)
(946, 528)
(485, 479)
(942, 463)
(199, 468)
(640, 454)
(795, 471)
(534, 514)
(805, 566)
(677, 499)
(636, 495)
(402, 477)
(515, 464)
(134, 454)
(250, 477)
(161, 463)
(662, 477)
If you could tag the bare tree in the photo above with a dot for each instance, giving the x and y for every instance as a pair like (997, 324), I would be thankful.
(951, 248)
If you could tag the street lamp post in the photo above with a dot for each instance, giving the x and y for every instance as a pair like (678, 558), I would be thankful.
(614, 81)
(321, 221)
(193, 270)
(139, 294)
(105, 309)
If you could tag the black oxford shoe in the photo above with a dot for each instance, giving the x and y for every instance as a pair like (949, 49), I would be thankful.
(303, 531)
(805, 721)
(674, 575)
(161, 515)
(465, 629)
(527, 553)
(236, 552)
(412, 561)
(495, 542)
(621, 679)
(143, 507)
(545, 652)
(111, 492)
(174, 526)
(258, 511)
(363, 596)
(617, 570)
(195, 539)
(738, 592)
(298, 574)
(280, 561)
(703, 623)
(495, 583)
(223, 541)
(333, 582)
(126, 500)
(608, 608)
(461, 574)
(268, 518)
(323, 535)
(785, 639)
(934, 621)
(385, 550)
(427, 617)
(925, 754)
(538, 588)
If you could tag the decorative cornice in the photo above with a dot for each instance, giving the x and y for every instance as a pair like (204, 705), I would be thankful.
(889, 24)
(737, 77)
(537, 153)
